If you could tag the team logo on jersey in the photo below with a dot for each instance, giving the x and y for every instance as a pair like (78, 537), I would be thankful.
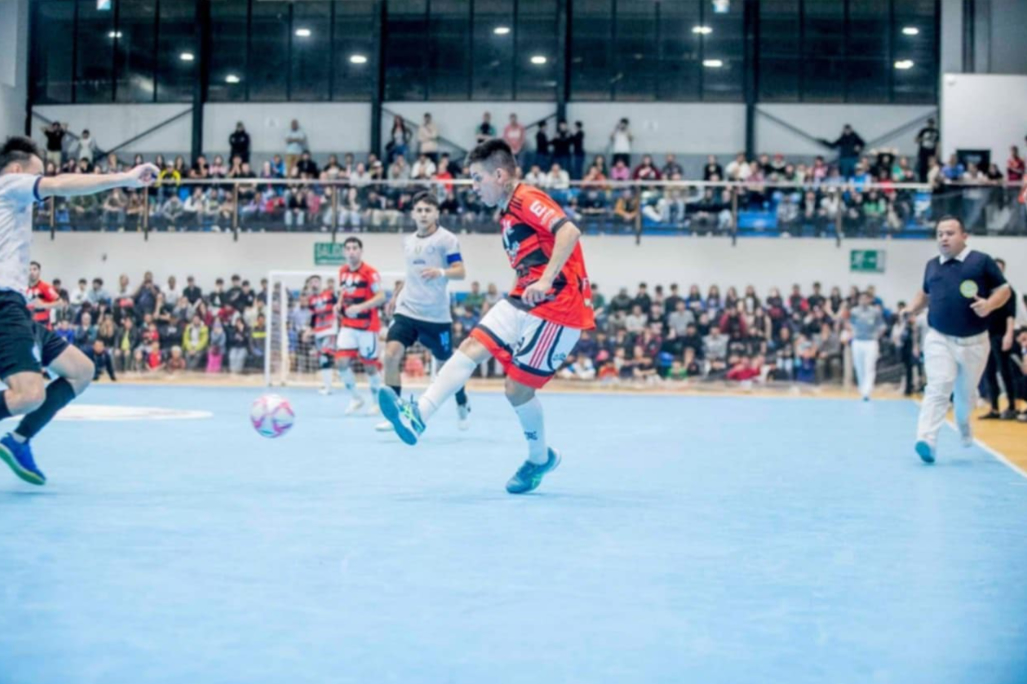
(511, 246)
(558, 359)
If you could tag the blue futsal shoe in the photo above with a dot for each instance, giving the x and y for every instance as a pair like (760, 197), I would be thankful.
(19, 457)
(925, 451)
(529, 476)
(404, 416)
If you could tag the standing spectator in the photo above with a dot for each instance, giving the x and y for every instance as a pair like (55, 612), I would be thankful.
(216, 348)
(849, 145)
(927, 146)
(195, 340)
(561, 145)
(578, 150)
(239, 142)
(238, 344)
(103, 348)
(86, 149)
(514, 134)
(399, 138)
(295, 145)
(55, 134)
(428, 139)
(485, 130)
(621, 140)
(542, 146)
(1001, 325)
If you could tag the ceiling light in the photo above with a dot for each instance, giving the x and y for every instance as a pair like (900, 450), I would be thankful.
(358, 59)
(231, 78)
(538, 59)
(704, 30)
(303, 32)
(904, 64)
(911, 31)
(501, 30)
(713, 63)
(187, 56)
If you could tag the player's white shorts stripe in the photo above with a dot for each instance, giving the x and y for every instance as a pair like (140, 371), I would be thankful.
(543, 346)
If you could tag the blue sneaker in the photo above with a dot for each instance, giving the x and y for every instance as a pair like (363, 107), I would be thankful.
(925, 451)
(19, 457)
(404, 416)
(529, 476)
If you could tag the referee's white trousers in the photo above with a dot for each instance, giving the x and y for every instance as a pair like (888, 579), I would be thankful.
(864, 362)
(952, 365)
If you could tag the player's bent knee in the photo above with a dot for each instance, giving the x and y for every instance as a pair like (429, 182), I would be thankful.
(516, 393)
(475, 349)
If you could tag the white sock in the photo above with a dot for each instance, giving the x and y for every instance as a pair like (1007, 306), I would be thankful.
(375, 381)
(534, 426)
(453, 375)
(349, 380)
(326, 377)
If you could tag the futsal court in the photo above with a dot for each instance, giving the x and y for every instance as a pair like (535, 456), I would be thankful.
(705, 539)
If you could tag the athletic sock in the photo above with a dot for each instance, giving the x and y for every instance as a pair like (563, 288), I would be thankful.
(4, 411)
(530, 415)
(326, 377)
(375, 381)
(398, 389)
(453, 375)
(349, 380)
(59, 394)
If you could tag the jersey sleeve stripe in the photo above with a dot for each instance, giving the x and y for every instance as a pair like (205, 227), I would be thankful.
(559, 224)
(35, 189)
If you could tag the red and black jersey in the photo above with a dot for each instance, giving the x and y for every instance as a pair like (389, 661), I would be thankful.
(530, 224)
(44, 292)
(357, 286)
(322, 306)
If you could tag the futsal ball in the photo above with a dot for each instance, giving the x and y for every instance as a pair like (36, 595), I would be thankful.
(271, 416)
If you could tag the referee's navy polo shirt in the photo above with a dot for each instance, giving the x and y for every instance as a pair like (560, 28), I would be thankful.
(949, 309)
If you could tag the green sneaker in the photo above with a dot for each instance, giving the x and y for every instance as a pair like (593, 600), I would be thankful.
(403, 415)
(529, 476)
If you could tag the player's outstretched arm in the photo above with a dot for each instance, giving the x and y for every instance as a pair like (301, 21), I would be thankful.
(77, 184)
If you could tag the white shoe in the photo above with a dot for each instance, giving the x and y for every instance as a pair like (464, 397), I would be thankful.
(373, 409)
(966, 436)
(463, 417)
(324, 391)
(384, 426)
(355, 405)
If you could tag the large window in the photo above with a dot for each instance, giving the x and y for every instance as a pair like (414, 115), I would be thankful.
(657, 50)
(847, 51)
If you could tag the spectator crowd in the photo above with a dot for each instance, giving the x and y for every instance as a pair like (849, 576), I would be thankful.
(856, 194)
(655, 336)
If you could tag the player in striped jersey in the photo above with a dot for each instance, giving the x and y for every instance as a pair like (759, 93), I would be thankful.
(360, 295)
(323, 324)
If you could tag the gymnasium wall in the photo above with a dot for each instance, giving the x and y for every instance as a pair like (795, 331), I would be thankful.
(613, 262)
(14, 18)
(983, 111)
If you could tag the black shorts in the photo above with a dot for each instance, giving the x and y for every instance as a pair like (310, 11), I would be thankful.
(25, 346)
(436, 337)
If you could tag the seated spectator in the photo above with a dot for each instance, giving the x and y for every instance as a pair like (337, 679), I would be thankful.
(423, 169)
(620, 171)
(175, 363)
(195, 340)
(715, 350)
(646, 170)
(745, 369)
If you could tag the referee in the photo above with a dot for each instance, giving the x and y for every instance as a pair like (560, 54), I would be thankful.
(961, 288)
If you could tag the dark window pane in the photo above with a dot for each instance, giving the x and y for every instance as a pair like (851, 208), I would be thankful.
(724, 45)
(919, 83)
(678, 44)
(634, 50)
(779, 51)
(536, 57)
(354, 49)
(405, 59)
(311, 51)
(228, 54)
(449, 68)
(823, 51)
(591, 37)
(134, 50)
(94, 70)
(269, 46)
(52, 59)
(492, 52)
(177, 52)
(867, 51)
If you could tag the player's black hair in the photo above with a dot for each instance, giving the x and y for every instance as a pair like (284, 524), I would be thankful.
(36, 264)
(950, 217)
(353, 241)
(18, 148)
(494, 154)
(426, 197)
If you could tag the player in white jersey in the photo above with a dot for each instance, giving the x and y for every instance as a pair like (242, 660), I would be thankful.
(421, 306)
(26, 347)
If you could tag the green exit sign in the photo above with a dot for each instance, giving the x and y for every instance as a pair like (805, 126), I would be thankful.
(866, 261)
(329, 254)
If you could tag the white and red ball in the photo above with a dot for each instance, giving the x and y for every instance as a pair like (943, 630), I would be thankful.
(272, 416)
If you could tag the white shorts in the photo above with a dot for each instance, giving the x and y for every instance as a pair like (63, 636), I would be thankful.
(529, 348)
(353, 343)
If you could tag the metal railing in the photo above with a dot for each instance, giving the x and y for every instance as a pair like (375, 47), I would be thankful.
(640, 208)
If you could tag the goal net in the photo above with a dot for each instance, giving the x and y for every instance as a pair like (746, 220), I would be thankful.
(291, 355)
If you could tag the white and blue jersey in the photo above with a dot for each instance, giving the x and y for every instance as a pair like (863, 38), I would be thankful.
(428, 300)
(18, 192)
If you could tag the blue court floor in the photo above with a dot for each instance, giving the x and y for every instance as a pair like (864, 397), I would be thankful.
(684, 539)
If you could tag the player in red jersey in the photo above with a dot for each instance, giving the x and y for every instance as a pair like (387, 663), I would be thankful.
(360, 296)
(323, 324)
(530, 332)
(41, 296)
